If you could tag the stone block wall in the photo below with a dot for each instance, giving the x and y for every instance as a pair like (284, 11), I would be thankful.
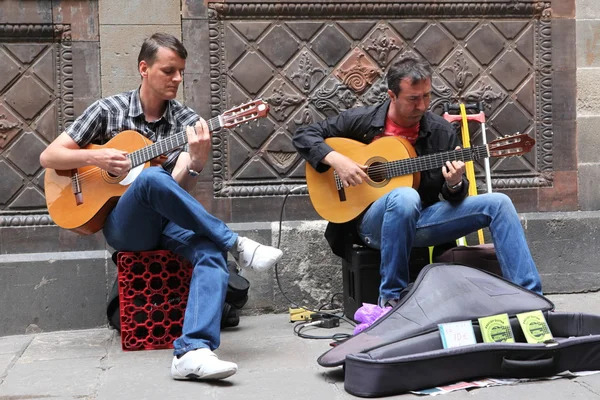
(588, 102)
(123, 28)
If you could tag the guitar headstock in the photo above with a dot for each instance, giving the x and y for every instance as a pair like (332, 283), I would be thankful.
(511, 145)
(244, 113)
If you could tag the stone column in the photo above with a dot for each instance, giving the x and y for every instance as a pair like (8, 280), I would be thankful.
(588, 102)
(123, 28)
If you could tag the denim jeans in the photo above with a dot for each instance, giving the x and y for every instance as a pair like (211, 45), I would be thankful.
(397, 222)
(156, 213)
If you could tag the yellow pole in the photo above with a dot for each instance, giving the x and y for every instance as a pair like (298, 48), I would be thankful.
(469, 164)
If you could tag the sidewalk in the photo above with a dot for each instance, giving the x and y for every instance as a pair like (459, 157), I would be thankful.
(273, 364)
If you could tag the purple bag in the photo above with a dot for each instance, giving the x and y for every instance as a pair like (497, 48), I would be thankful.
(367, 314)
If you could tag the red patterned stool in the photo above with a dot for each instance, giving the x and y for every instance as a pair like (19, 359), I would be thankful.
(153, 292)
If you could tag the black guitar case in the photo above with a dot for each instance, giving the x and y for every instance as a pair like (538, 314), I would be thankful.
(403, 350)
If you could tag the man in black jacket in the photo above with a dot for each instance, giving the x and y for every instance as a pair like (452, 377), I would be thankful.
(405, 217)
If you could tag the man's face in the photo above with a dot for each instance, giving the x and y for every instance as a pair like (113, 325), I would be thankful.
(164, 75)
(411, 103)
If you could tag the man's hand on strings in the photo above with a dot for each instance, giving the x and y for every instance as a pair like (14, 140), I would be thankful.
(453, 171)
(112, 160)
(350, 172)
(199, 142)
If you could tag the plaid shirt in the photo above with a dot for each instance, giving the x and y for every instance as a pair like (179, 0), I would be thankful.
(112, 115)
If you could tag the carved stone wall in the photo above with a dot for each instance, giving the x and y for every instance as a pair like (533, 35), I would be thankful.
(312, 61)
(49, 58)
(36, 103)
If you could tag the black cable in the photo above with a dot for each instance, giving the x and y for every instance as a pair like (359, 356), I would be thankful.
(338, 337)
(293, 303)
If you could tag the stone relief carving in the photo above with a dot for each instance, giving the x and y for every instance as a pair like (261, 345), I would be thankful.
(43, 51)
(357, 72)
(483, 93)
(332, 98)
(460, 70)
(7, 130)
(515, 8)
(383, 44)
(544, 77)
(281, 159)
(59, 32)
(377, 94)
(358, 78)
(281, 101)
(304, 117)
(25, 220)
(6, 126)
(306, 73)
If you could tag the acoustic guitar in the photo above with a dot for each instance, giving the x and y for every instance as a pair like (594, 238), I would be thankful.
(81, 199)
(391, 163)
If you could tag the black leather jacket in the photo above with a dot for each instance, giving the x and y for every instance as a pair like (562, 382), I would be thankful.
(363, 124)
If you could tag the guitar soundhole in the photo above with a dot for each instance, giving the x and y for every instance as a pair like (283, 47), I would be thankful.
(376, 172)
(111, 175)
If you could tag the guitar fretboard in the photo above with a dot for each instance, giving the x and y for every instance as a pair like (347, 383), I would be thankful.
(433, 161)
(163, 146)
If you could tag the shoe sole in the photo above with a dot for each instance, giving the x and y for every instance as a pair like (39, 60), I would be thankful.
(214, 376)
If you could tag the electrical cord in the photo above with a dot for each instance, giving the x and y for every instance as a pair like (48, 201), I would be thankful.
(332, 304)
(292, 302)
(338, 337)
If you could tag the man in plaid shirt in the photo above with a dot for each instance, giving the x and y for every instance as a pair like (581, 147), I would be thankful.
(157, 210)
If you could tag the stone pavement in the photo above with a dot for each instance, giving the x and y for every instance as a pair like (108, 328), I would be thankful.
(273, 364)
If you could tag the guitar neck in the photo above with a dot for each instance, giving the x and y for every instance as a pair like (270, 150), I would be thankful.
(434, 161)
(163, 146)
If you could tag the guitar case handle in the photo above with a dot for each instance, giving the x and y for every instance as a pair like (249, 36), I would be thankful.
(529, 368)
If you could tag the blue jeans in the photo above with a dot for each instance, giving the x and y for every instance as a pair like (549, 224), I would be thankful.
(397, 222)
(155, 212)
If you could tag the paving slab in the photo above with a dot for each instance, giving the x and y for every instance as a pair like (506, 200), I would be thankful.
(273, 364)
(13, 344)
(72, 377)
(67, 345)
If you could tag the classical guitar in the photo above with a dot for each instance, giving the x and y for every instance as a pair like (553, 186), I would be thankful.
(81, 199)
(391, 163)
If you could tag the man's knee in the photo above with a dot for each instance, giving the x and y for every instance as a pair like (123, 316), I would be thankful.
(501, 200)
(403, 196)
(151, 176)
(403, 201)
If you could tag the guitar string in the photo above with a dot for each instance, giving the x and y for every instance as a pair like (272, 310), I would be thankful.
(396, 167)
(136, 158)
(138, 155)
(409, 165)
(146, 153)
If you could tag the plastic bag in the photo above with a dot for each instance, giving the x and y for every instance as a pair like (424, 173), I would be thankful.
(367, 314)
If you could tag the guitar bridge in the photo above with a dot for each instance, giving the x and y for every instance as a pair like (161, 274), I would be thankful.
(76, 186)
(340, 187)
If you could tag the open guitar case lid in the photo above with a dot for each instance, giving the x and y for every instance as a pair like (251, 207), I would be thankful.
(403, 350)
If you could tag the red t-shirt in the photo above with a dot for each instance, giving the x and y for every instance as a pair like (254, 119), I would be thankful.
(392, 129)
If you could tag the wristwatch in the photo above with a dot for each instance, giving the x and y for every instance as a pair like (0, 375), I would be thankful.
(454, 187)
(193, 173)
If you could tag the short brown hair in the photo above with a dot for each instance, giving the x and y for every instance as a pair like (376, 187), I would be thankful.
(156, 41)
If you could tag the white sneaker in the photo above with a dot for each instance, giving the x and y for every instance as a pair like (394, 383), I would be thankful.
(201, 364)
(253, 255)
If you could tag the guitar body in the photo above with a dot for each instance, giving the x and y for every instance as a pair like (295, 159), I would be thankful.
(99, 190)
(337, 207)
(81, 199)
